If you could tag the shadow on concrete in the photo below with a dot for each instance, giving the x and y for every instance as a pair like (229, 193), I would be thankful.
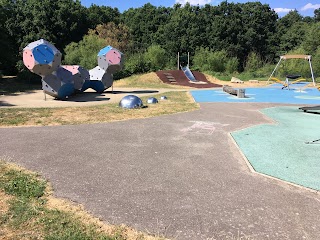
(18, 93)
(5, 104)
(135, 92)
(86, 97)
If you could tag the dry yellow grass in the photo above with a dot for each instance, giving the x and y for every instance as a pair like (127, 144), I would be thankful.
(149, 80)
(177, 102)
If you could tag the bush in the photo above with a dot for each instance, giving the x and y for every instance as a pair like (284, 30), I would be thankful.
(253, 62)
(232, 65)
(206, 60)
(136, 63)
(84, 53)
(156, 58)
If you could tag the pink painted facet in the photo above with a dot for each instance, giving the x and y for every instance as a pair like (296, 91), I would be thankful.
(28, 59)
(114, 57)
(72, 68)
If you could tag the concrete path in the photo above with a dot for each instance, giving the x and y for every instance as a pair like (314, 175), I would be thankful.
(179, 176)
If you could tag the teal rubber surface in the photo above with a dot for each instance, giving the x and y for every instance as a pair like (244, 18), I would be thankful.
(280, 149)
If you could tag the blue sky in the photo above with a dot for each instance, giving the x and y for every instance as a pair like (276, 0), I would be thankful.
(305, 7)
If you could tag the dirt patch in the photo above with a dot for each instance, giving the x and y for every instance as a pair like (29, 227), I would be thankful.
(180, 79)
(244, 84)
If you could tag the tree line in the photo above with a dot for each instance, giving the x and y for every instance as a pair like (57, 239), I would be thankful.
(229, 37)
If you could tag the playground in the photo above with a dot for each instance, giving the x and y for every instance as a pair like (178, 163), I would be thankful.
(182, 176)
(240, 166)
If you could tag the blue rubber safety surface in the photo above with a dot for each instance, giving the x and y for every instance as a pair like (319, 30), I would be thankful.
(274, 94)
(288, 150)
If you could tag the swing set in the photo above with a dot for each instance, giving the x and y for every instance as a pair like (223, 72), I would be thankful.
(296, 78)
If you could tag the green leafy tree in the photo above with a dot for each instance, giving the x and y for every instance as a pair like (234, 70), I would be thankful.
(58, 21)
(144, 23)
(156, 57)
(254, 62)
(293, 36)
(311, 41)
(84, 53)
(116, 35)
(7, 57)
(101, 15)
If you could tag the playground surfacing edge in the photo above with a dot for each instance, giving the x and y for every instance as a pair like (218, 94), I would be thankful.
(274, 94)
(281, 150)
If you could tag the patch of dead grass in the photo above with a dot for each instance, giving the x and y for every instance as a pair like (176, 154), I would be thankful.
(148, 80)
(177, 102)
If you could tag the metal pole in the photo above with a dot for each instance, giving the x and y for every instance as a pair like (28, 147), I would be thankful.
(274, 70)
(178, 60)
(188, 59)
(314, 82)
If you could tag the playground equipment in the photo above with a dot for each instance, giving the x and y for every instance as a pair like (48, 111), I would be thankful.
(131, 101)
(59, 81)
(296, 78)
(186, 69)
(310, 109)
(240, 93)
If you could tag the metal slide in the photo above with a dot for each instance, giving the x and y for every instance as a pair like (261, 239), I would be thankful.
(189, 74)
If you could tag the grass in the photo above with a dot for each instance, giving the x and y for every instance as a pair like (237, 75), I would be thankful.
(149, 80)
(177, 102)
(27, 212)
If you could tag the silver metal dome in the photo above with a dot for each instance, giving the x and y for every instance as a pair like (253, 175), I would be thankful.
(152, 100)
(163, 98)
(131, 101)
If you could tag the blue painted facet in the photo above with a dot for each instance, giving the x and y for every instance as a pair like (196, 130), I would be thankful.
(66, 90)
(43, 54)
(85, 86)
(97, 86)
(103, 51)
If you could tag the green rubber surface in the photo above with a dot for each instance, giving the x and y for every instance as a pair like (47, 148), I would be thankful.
(280, 149)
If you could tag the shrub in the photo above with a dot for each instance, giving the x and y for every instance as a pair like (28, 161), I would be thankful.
(206, 60)
(232, 65)
(253, 62)
(136, 63)
(84, 53)
(156, 57)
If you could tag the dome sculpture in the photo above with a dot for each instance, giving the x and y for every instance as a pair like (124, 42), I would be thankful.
(131, 101)
(152, 100)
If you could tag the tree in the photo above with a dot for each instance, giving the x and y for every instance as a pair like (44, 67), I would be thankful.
(101, 15)
(58, 21)
(144, 23)
(84, 53)
(156, 58)
(293, 36)
(317, 15)
(7, 56)
(117, 36)
(184, 31)
(311, 41)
